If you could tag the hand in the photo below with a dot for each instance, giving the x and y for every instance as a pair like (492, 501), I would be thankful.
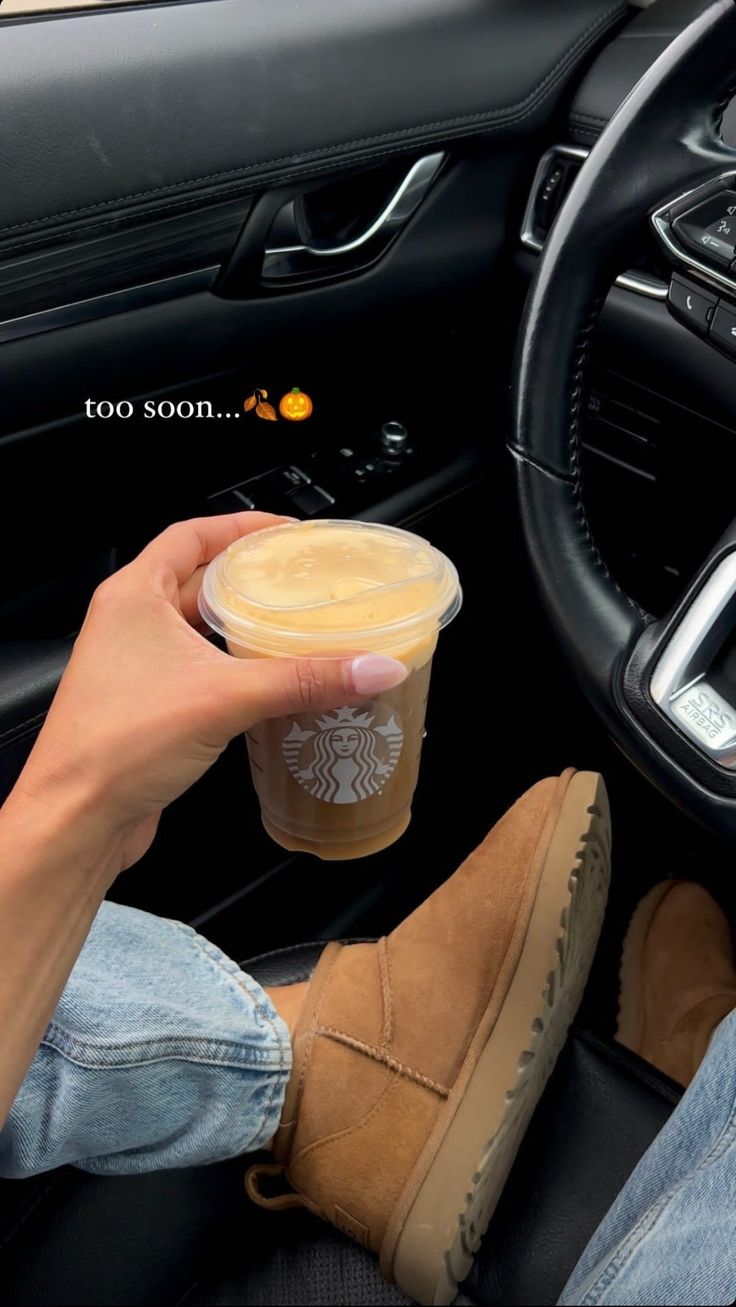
(147, 703)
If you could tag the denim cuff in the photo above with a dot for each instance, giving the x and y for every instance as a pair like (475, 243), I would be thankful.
(161, 1053)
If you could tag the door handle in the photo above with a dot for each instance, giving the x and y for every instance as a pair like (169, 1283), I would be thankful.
(302, 258)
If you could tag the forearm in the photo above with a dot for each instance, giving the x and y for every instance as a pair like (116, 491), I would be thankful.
(56, 862)
(145, 706)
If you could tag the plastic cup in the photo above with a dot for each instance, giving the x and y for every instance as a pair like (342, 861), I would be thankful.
(338, 784)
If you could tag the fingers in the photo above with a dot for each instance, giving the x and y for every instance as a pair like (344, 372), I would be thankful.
(188, 596)
(273, 687)
(186, 546)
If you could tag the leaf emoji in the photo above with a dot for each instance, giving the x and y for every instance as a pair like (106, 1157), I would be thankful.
(250, 403)
(263, 394)
(266, 411)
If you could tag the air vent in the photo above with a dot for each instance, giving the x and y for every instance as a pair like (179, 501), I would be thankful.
(652, 526)
(556, 172)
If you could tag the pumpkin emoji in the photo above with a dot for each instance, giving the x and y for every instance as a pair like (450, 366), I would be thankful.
(295, 406)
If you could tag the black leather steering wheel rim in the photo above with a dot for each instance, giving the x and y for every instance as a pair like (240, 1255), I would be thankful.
(663, 141)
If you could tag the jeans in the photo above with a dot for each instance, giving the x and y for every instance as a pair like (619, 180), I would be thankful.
(670, 1237)
(163, 1053)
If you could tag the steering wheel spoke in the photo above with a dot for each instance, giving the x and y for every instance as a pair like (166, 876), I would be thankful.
(680, 681)
(696, 230)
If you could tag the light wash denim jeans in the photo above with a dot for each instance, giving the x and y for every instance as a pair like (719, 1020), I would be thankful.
(670, 1237)
(162, 1053)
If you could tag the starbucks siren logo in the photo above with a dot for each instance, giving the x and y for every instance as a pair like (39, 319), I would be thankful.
(348, 755)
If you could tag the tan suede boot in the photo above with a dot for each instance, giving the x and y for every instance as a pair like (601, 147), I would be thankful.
(678, 978)
(419, 1060)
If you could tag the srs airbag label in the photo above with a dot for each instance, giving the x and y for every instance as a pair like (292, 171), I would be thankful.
(705, 715)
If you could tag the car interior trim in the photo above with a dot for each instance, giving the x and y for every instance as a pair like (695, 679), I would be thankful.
(102, 306)
(641, 283)
(281, 260)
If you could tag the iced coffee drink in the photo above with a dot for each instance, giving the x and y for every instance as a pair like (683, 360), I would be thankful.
(339, 783)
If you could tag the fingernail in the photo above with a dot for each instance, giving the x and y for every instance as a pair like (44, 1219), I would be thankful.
(371, 673)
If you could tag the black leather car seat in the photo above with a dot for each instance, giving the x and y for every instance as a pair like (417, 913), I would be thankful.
(191, 1235)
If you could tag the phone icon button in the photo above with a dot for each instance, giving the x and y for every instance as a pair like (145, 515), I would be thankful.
(692, 304)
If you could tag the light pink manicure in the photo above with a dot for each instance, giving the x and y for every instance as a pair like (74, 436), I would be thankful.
(371, 673)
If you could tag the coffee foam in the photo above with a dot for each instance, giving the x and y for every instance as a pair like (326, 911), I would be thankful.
(339, 586)
(319, 578)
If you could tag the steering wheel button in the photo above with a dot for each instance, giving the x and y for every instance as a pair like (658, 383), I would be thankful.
(724, 230)
(715, 246)
(710, 228)
(691, 304)
(723, 329)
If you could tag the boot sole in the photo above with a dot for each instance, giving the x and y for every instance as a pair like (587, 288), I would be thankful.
(458, 1194)
(628, 1031)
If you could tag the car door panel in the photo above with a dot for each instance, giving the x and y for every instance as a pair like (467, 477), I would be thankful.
(147, 133)
(150, 108)
(454, 240)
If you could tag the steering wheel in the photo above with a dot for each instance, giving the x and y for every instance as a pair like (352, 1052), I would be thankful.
(655, 684)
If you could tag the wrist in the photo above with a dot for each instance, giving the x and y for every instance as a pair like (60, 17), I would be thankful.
(66, 821)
